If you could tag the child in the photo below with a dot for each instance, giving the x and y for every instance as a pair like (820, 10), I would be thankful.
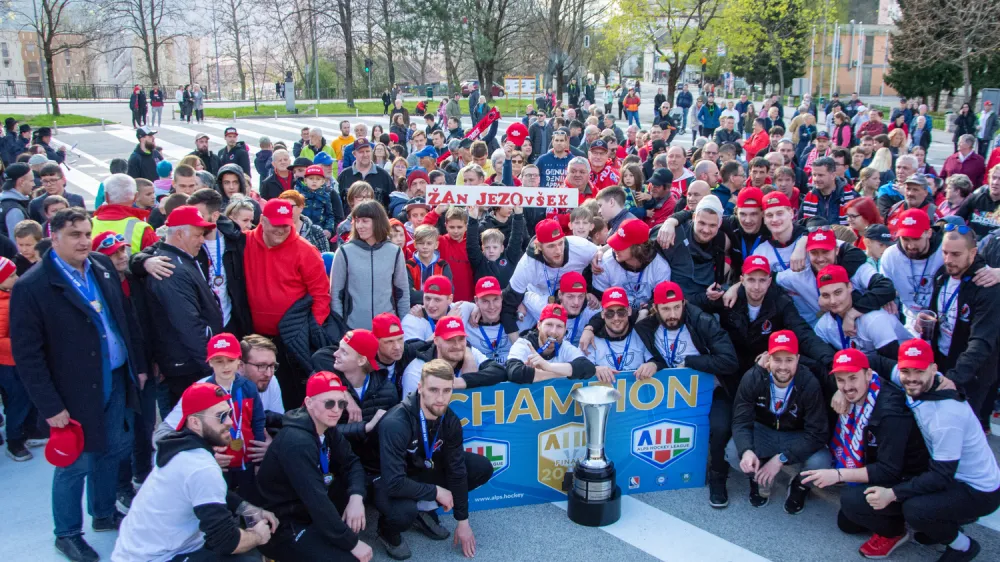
(145, 194)
(611, 202)
(262, 162)
(877, 240)
(318, 207)
(359, 192)
(20, 411)
(52, 205)
(163, 171)
(599, 235)
(486, 251)
(27, 234)
(167, 206)
(415, 211)
(581, 221)
(633, 183)
(452, 247)
(426, 260)
(400, 237)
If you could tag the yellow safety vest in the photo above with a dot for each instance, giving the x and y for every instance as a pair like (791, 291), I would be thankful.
(129, 227)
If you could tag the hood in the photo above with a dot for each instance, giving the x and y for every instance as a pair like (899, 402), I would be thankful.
(263, 156)
(240, 145)
(299, 419)
(889, 190)
(110, 212)
(10, 193)
(142, 153)
(177, 442)
(233, 169)
(366, 246)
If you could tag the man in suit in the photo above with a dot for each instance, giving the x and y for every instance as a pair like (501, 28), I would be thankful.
(81, 361)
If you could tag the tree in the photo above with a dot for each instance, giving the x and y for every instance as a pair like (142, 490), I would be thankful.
(151, 23)
(234, 28)
(562, 25)
(616, 41)
(437, 22)
(345, 17)
(491, 28)
(781, 28)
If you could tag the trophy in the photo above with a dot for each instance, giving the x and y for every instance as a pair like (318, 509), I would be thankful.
(593, 497)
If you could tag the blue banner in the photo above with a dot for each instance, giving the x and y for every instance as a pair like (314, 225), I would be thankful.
(657, 435)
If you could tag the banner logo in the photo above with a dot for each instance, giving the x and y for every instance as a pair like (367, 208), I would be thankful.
(495, 451)
(558, 450)
(662, 442)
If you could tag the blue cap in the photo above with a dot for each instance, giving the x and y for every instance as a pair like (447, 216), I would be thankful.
(163, 169)
(427, 151)
(323, 159)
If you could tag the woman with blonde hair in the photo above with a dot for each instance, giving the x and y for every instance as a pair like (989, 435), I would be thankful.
(193, 161)
(882, 162)
(899, 143)
(868, 182)
(398, 172)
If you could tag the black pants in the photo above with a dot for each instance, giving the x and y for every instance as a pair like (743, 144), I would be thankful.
(293, 380)
(984, 147)
(720, 430)
(938, 515)
(137, 118)
(398, 514)
(385, 108)
(607, 109)
(205, 555)
(708, 131)
(176, 385)
(295, 541)
(199, 115)
(621, 109)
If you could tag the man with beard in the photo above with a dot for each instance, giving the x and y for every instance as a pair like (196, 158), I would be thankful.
(364, 169)
(962, 482)
(698, 262)
(313, 482)
(142, 163)
(874, 331)
(614, 348)
(779, 418)
(543, 353)
(876, 442)
(912, 262)
(472, 369)
(573, 296)
(916, 195)
(183, 510)
(259, 364)
(632, 263)
(424, 465)
(438, 296)
(208, 158)
(235, 151)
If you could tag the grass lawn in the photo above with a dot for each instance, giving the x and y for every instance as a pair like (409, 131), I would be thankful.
(64, 120)
(506, 107)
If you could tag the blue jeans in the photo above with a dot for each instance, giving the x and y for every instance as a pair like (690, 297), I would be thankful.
(17, 405)
(684, 118)
(100, 469)
(633, 116)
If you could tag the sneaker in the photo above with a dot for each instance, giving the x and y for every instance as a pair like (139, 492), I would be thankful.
(757, 500)
(427, 523)
(795, 500)
(136, 484)
(952, 555)
(395, 546)
(881, 547)
(36, 442)
(17, 452)
(107, 523)
(718, 496)
(123, 500)
(76, 549)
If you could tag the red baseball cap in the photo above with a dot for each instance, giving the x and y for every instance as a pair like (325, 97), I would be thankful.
(553, 310)
(488, 286)
(630, 233)
(783, 340)
(365, 343)
(849, 360)
(199, 397)
(188, 215)
(573, 282)
(65, 444)
(224, 345)
(915, 354)
(667, 292)
(821, 239)
(449, 327)
(776, 199)
(614, 296)
(315, 170)
(323, 381)
(278, 212)
(438, 285)
(386, 325)
(106, 243)
(913, 223)
(756, 263)
(750, 198)
(393, 137)
(831, 274)
(516, 134)
(548, 230)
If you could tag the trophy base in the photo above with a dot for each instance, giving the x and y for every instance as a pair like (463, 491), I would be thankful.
(594, 514)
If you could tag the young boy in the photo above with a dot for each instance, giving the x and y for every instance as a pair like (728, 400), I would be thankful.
(487, 254)
(400, 237)
(318, 207)
(145, 194)
(611, 203)
(262, 161)
(877, 241)
(164, 182)
(452, 247)
(27, 234)
(52, 205)
(415, 211)
(426, 260)
(20, 411)
(581, 222)
(599, 235)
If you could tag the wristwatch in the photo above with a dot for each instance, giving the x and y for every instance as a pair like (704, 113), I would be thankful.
(782, 458)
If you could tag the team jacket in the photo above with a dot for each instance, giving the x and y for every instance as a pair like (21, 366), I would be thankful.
(520, 373)
(830, 207)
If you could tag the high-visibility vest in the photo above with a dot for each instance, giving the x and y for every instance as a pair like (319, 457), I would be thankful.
(129, 227)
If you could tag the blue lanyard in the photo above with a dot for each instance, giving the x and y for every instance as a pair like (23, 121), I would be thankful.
(919, 282)
(218, 254)
(576, 324)
(635, 288)
(495, 345)
(552, 286)
(364, 387)
(845, 342)
(324, 458)
(913, 403)
(544, 347)
(430, 321)
(951, 299)
(784, 266)
(672, 349)
(784, 403)
(84, 288)
(237, 429)
(756, 242)
(619, 358)
(428, 446)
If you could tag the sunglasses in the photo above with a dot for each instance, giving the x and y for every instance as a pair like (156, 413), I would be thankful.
(111, 241)
(962, 229)
(223, 416)
(338, 404)
(517, 161)
(620, 313)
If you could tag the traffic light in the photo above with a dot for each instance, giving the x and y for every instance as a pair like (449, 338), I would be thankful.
(368, 66)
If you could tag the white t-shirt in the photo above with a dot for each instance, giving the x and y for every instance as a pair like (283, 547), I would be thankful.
(753, 312)
(875, 330)
(161, 523)
(271, 398)
(494, 345)
(952, 432)
(534, 303)
(630, 352)
(947, 318)
(801, 287)
(522, 349)
(411, 376)
(913, 279)
(215, 249)
(534, 275)
(772, 254)
(679, 341)
(417, 328)
(638, 286)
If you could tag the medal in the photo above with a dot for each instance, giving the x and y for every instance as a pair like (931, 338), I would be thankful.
(236, 444)
(552, 299)
(428, 463)
(327, 479)
(96, 305)
(218, 281)
(428, 444)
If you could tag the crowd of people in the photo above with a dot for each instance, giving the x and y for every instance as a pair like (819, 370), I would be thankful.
(300, 340)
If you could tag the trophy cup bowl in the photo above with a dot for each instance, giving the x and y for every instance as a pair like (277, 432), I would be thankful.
(594, 499)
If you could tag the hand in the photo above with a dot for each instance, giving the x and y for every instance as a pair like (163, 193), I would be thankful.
(271, 519)
(444, 499)
(665, 237)
(222, 458)
(362, 551)
(764, 360)
(535, 361)
(464, 537)
(508, 149)
(879, 497)
(987, 276)
(354, 514)
(417, 310)
(593, 303)
(353, 411)
(798, 261)
(143, 378)
(257, 449)
(475, 317)
(327, 235)
(645, 371)
(586, 340)
(62, 149)
(749, 463)
(469, 364)
(522, 311)
(944, 383)
(370, 426)
(641, 196)
(441, 209)
(59, 420)
(473, 212)
(714, 292)
(595, 263)
(766, 473)
(821, 478)
(159, 267)
(891, 308)
(606, 374)
(518, 210)
(729, 299)
(850, 325)
(263, 531)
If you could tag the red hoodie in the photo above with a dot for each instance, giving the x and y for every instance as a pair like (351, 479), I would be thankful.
(457, 257)
(277, 277)
(109, 212)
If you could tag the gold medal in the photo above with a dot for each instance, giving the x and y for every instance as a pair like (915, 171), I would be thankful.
(552, 299)
(96, 306)
(236, 444)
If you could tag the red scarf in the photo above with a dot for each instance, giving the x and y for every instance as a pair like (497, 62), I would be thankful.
(476, 131)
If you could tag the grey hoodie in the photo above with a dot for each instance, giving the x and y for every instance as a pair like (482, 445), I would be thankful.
(366, 281)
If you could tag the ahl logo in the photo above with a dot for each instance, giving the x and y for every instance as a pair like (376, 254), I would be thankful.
(495, 451)
(558, 450)
(662, 442)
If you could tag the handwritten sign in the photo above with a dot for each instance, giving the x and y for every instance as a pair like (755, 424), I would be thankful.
(502, 196)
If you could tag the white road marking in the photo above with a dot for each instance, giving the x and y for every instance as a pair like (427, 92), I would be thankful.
(77, 152)
(248, 133)
(168, 149)
(659, 534)
(78, 131)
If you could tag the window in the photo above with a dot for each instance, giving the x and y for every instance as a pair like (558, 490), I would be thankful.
(33, 69)
(4, 50)
(68, 57)
(30, 48)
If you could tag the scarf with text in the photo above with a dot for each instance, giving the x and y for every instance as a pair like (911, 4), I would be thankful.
(848, 443)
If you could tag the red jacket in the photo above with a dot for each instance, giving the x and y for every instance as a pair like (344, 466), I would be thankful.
(974, 167)
(455, 253)
(6, 355)
(759, 141)
(109, 212)
(605, 178)
(277, 277)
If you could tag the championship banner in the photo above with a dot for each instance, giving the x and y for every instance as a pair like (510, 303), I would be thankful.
(502, 196)
(657, 435)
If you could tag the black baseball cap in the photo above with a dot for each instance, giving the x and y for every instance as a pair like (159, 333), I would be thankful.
(878, 233)
(661, 177)
(599, 145)
(302, 162)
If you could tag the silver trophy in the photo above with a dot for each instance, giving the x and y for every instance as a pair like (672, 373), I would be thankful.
(593, 497)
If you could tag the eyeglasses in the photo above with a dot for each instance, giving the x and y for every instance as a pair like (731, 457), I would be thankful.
(50, 180)
(264, 366)
(518, 161)
(338, 404)
(962, 229)
(620, 313)
(852, 217)
(221, 417)
(111, 241)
